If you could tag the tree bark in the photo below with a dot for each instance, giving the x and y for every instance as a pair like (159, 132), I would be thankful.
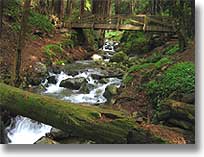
(89, 122)
(1, 16)
(21, 39)
(69, 7)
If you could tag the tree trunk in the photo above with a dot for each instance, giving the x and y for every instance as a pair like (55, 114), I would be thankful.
(1, 16)
(59, 8)
(82, 5)
(21, 39)
(42, 7)
(89, 122)
(117, 5)
(69, 8)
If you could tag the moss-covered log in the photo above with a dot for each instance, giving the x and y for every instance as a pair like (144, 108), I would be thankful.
(177, 113)
(92, 123)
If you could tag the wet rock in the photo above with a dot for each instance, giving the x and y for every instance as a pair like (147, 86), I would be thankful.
(57, 134)
(3, 135)
(103, 80)
(96, 76)
(73, 83)
(56, 69)
(97, 57)
(52, 80)
(84, 88)
(119, 57)
(110, 91)
(45, 140)
(37, 74)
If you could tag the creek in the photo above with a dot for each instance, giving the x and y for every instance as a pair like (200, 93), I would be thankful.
(23, 130)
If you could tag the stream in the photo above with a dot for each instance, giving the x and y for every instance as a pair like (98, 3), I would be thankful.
(23, 130)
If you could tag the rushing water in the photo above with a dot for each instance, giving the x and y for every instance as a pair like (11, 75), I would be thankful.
(26, 131)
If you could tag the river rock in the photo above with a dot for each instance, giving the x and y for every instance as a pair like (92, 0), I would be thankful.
(119, 57)
(37, 74)
(57, 134)
(110, 91)
(52, 80)
(3, 135)
(73, 83)
(45, 140)
(97, 58)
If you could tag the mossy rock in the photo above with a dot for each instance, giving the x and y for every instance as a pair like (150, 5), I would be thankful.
(110, 91)
(119, 57)
(45, 140)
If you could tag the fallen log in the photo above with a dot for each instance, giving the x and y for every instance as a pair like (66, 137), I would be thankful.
(89, 122)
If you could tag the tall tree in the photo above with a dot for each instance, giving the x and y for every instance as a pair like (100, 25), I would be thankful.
(69, 7)
(59, 8)
(1, 16)
(42, 7)
(82, 6)
(21, 40)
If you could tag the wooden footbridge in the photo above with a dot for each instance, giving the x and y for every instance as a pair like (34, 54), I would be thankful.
(148, 23)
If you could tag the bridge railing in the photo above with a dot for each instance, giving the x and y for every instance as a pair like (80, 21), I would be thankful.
(143, 21)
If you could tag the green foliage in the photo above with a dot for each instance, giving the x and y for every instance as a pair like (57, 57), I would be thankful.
(172, 49)
(119, 57)
(60, 62)
(40, 21)
(178, 78)
(127, 78)
(15, 27)
(114, 35)
(156, 56)
(139, 67)
(134, 42)
(13, 10)
(162, 62)
(68, 42)
(53, 49)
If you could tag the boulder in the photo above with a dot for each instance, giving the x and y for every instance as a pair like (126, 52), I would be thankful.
(52, 80)
(3, 135)
(45, 140)
(37, 74)
(110, 91)
(97, 58)
(119, 57)
(73, 83)
(57, 134)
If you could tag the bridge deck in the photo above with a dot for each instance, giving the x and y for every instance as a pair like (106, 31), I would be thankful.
(121, 27)
(134, 23)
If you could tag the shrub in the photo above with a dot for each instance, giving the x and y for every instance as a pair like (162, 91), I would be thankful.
(40, 21)
(172, 49)
(179, 78)
(51, 50)
(162, 62)
(135, 42)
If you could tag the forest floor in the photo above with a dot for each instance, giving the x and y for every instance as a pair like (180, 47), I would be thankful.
(32, 52)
